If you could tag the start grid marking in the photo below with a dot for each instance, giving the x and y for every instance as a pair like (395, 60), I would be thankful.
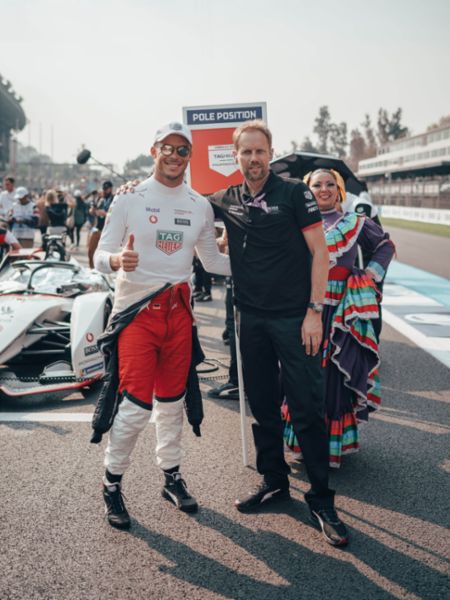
(417, 305)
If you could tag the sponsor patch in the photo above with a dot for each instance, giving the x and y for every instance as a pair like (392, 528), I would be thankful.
(91, 350)
(309, 204)
(180, 211)
(182, 221)
(89, 337)
(169, 241)
(92, 368)
(273, 210)
(153, 219)
(308, 195)
(312, 209)
(152, 210)
(236, 210)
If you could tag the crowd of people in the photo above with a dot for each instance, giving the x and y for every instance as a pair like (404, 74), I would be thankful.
(55, 212)
(306, 312)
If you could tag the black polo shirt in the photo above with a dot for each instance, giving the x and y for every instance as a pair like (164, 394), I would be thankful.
(270, 261)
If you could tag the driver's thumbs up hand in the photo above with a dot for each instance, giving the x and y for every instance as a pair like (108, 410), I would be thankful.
(129, 257)
(130, 243)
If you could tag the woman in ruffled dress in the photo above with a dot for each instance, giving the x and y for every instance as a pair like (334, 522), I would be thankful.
(350, 347)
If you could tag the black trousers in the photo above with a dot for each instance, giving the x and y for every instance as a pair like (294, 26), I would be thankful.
(268, 343)
(202, 279)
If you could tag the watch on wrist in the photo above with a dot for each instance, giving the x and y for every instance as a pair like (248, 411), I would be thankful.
(317, 307)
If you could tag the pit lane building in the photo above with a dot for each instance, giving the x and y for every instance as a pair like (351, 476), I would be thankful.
(12, 118)
(413, 171)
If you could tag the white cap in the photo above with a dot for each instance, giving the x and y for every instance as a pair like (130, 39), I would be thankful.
(173, 128)
(21, 192)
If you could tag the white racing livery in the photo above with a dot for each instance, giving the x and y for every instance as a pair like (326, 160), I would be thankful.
(51, 315)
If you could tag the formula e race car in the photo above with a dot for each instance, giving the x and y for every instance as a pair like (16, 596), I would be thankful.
(51, 314)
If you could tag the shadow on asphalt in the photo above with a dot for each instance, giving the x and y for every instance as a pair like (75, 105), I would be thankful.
(301, 566)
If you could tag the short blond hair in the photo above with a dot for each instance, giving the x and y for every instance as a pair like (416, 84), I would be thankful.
(255, 125)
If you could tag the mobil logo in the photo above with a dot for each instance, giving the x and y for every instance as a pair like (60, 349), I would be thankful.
(169, 241)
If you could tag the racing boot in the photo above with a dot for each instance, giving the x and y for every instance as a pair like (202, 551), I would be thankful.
(175, 490)
(115, 508)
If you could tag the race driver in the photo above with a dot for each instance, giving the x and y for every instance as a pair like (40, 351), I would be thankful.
(149, 238)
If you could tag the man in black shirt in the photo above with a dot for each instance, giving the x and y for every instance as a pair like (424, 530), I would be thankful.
(279, 261)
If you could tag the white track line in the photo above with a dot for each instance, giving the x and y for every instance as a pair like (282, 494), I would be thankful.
(44, 417)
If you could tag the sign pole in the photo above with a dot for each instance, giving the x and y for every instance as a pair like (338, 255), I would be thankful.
(242, 406)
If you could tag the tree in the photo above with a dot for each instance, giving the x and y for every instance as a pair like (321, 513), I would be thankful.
(308, 146)
(443, 121)
(322, 128)
(338, 139)
(390, 128)
(357, 149)
(369, 138)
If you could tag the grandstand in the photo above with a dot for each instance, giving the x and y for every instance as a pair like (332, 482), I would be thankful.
(413, 171)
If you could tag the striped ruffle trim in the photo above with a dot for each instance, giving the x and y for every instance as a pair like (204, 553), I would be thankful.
(343, 438)
(343, 235)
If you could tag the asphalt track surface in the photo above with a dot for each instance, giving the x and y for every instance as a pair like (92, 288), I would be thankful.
(422, 250)
(393, 495)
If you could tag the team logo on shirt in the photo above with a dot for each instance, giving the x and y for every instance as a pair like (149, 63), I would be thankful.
(311, 206)
(169, 241)
(153, 219)
(182, 221)
(308, 195)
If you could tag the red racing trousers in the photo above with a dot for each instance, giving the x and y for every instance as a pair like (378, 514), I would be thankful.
(155, 349)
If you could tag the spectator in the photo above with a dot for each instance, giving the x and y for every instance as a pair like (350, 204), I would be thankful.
(7, 198)
(24, 218)
(202, 282)
(100, 210)
(56, 209)
(80, 213)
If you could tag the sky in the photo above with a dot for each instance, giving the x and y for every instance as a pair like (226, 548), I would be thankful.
(107, 73)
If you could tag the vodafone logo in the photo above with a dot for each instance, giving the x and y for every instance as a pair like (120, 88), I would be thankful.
(90, 337)
(153, 219)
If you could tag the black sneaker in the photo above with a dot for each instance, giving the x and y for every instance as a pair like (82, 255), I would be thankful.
(204, 298)
(333, 529)
(225, 335)
(197, 293)
(226, 391)
(265, 493)
(175, 491)
(115, 507)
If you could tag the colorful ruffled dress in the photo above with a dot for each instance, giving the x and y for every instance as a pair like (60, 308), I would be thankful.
(350, 347)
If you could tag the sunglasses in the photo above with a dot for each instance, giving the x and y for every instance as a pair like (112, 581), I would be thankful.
(168, 150)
